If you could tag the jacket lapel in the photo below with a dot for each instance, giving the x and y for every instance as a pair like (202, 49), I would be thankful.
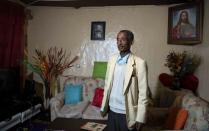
(128, 72)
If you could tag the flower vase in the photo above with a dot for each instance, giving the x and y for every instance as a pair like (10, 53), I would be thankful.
(176, 85)
(47, 94)
(51, 89)
(54, 86)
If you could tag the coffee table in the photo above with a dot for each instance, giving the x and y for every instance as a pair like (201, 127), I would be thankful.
(72, 124)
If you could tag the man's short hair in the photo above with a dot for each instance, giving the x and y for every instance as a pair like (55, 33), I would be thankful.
(129, 35)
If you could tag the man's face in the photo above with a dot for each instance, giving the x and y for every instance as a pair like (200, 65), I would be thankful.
(122, 42)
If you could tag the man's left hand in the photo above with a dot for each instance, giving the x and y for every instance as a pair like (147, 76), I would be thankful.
(138, 126)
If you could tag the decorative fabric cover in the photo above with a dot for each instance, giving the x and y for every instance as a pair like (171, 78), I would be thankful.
(56, 104)
(198, 119)
(98, 96)
(73, 93)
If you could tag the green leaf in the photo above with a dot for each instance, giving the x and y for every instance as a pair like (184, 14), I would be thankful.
(32, 67)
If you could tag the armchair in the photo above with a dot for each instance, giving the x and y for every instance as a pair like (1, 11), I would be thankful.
(198, 110)
(83, 109)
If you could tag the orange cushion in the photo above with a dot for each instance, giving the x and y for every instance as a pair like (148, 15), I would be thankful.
(176, 119)
(181, 119)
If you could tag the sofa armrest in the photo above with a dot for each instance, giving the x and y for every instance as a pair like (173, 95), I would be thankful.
(58, 100)
(56, 104)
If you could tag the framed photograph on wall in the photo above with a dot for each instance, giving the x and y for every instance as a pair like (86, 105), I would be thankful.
(98, 30)
(185, 24)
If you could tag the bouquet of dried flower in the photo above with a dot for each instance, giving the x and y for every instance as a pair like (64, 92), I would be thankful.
(181, 64)
(49, 65)
(190, 64)
(174, 61)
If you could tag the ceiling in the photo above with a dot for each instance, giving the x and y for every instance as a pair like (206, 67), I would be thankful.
(86, 3)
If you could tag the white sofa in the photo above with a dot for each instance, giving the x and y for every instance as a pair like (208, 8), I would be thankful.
(83, 109)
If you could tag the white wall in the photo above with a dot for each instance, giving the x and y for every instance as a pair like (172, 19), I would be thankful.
(203, 51)
(70, 28)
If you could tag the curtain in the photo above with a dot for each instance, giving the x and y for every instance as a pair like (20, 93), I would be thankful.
(12, 20)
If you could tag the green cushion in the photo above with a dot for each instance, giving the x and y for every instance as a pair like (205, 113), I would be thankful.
(99, 70)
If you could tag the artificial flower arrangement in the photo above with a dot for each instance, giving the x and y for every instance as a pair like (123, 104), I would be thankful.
(180, 65)
(49, 65)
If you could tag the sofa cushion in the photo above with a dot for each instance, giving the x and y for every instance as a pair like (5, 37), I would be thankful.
(99, 70)
(73, 94)
(93, 112)
(98, 95)
(73, 111)
(166, 79)
(181, 119)
(190, 82)
(79, 80)
(176, 119)
(89, 85)
(90, 88)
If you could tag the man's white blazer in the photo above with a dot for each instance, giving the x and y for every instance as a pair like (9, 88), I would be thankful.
(135, 89)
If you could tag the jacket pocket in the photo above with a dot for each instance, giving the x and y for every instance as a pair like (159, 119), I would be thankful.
(135, 108)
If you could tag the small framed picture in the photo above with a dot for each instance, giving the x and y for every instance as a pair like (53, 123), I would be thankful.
(185, 24)
(98, 30)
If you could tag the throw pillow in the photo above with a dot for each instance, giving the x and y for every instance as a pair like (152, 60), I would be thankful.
(166, 79)
(73, 94)
(98, 96)
(190, 81)
(176, 119)
(90, 87)
(99, 70)
(181, 119)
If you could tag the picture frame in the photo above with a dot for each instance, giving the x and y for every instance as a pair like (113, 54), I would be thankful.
(185, 24)
(98, 30)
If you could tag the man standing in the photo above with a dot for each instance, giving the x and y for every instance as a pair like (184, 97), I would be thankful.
(125, 92)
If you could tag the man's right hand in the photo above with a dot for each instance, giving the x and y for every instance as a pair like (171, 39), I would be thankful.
(102, 113)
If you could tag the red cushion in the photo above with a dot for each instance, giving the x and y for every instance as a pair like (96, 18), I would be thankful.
(98, 96)
(190, 82)
(166, 79)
